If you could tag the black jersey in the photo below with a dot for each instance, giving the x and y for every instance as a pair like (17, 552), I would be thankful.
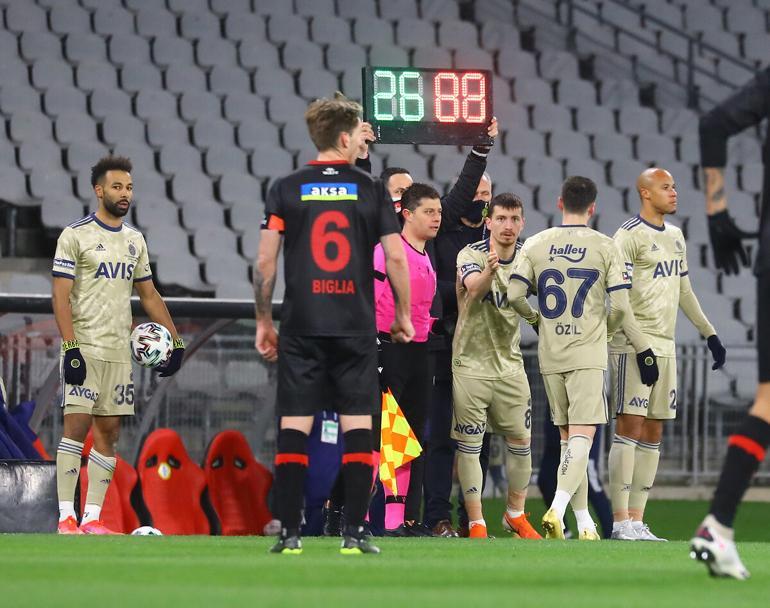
(331, 215)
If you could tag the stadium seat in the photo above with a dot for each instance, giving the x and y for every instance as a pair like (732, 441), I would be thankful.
(383, 54)
(314, 83)
(546, 116)
(224, 80)
(93, 75)
(532, 91)
(221, 158)
(588, 168)
(215, 262)
(59, 100)
(415, 33)
(163, 130)
(74, 126)
(181, 270)
(369, 30)
(184, 79)
(557, 64)
(624, 173)
(25, 17)
(118, 513)
(112, 20)
(215, 52)
(610, 145)
(355, 8)
(102, 103)
(173, 486)
(119, 128)
(155, 22)
(541, 170)
(38, 154)
(196, 105)
(655, 149)
(208, 240)
(637, 120)
(198, 25)
(158, 212)
(255, 133)
(140, 77)
(272, 7)
(282, 28)
(212, 131)
(65, 19)
(473, 58)
(51, 72)
(454, 34)
(521, 142)
(566, 144)
(19, 98)
(238, 485)
(36, 45)
(431, 57)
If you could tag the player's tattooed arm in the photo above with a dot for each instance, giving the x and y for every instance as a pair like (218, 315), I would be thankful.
(265, 268)
(714, 178)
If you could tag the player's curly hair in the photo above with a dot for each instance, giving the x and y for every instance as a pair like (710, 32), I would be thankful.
(327, 118)
(109, 163)
(578, 193)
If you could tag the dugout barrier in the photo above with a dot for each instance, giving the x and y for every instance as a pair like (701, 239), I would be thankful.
(225, 385)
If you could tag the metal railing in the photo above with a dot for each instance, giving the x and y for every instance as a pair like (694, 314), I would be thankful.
(223, 384)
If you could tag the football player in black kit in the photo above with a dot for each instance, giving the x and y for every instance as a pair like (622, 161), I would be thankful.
(330, 215)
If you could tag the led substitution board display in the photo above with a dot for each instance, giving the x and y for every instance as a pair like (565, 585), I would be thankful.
(427, 106)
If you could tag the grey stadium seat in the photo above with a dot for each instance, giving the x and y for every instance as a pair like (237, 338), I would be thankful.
(397, 9)
(368, 30)
(25, 17)
(190, 186)
(541, 170)
(532, 91)
(211, 52)
(103, 102)
(314, 7)
(253, 54)
(181, 270)
(172, 51)
(557, 64)
(69, 20)
(208, 240)
(221, 158)
(185, 79)
(576, 92)
(167, 240)
(50, 183)
(239, 107)
(356, 8)
(36, 45)
(595, 119)
(14, 70)
(327, 29)
(415, 33)
(435, 10)
(387, 55)
(13, 187)
(637, 120)
(287, 109)
(20, 98)
(624, 172)
(138, 77)
(154, 21)
(678, 121)
(212, 131)
(29, 125)
(197, 213)
(520, 142)
(179, 158)
(238, 188)
(92, 75)
(272, 7)
(245, 214)
(119, 128)
(565, 143)
(82, 155)
(224, 80)
(38, 154)
(254, 133)
(496, 35)
(224, 268)
(231, 7)
(48, 73)
(515, 63)
(587, 168)
(316, 83)
(162, 130)
(469, 59)
(344, 55)
(74, 126)
(128, 49)
(198, 25)
(299, 54)
(156, 212)
(112, 20)
(656, 149)
(609, 146)
(152, 103)
(281, 28)
(453, 34)
(195, 105)
(243, 26)
(60, 212)
(268, 162)
(431, 57)
(619, 93)
(551, 116)
(58, 100)
(273, 82)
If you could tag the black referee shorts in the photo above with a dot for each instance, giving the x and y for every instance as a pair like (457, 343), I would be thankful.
(763, 326)
(328, 373)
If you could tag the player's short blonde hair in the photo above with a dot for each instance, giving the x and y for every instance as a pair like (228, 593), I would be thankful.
(327, 118)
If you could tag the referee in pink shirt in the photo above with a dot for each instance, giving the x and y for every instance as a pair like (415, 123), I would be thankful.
(406, 369)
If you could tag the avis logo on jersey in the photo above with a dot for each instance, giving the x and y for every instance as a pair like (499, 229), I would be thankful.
(115, 270)
(668, 268)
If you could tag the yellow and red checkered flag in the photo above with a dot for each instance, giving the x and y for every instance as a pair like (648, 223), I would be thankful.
(398, 442)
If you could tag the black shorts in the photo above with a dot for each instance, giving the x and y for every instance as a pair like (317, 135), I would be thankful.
(338, 374)
(763, 326)
(407, 370)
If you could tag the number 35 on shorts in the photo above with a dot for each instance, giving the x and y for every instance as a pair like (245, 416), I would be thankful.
(123, 394)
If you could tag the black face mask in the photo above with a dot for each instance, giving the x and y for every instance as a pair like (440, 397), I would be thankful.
(474, 211)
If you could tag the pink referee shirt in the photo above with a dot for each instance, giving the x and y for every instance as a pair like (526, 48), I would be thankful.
(422, 279)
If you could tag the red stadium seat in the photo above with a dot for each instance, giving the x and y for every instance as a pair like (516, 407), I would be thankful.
(173, 486)
(238, 485)
(117, 512)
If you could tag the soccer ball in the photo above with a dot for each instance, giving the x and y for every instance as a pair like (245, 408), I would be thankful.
(151, 344)
(146, 531)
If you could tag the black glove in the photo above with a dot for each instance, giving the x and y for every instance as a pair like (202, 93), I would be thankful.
(74, 364)
(648, 366)
(725, 239)
(718, 351)
(174, 363)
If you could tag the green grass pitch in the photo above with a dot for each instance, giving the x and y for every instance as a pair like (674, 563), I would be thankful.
(143, 572)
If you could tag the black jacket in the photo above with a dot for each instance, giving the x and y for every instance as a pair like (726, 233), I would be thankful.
(746, 108)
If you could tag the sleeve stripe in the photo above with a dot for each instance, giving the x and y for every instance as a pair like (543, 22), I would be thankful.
(685, 273)
(380, 276)
(518, 277)
(276, 223)
(63, 275)
(616, 287)
(467, 274)
(147, 278)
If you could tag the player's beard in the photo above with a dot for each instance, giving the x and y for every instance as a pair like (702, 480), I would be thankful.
(113, 209)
